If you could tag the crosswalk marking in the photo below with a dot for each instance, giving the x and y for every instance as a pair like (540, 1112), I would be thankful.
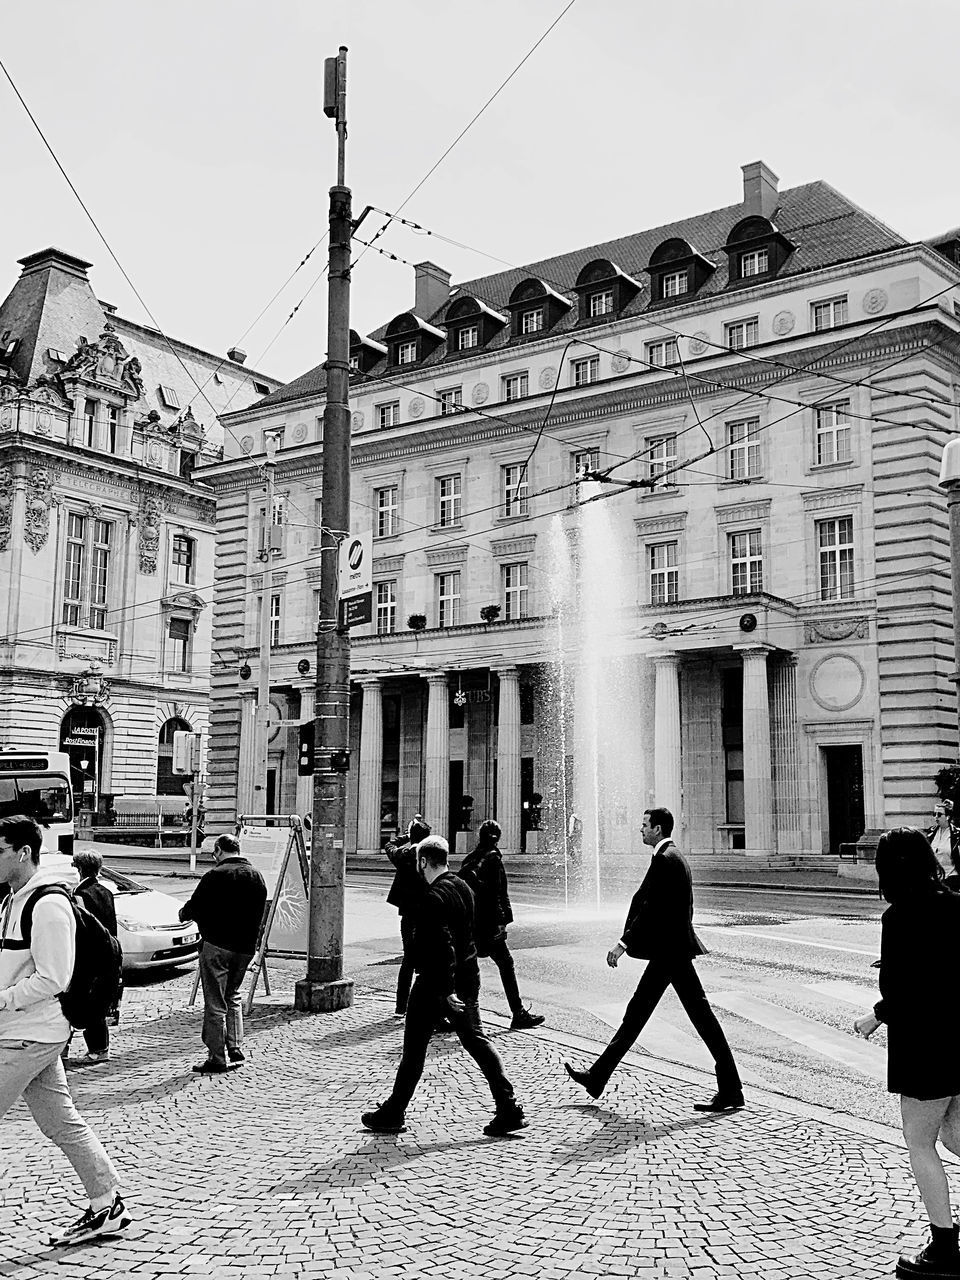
(863, 998)
(736, 932)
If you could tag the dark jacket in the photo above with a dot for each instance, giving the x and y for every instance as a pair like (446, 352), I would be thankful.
(484, 872)
(228, 904)
(660, 920)
(406, 892)
(444, 954)
(98, 900)
(954, 844)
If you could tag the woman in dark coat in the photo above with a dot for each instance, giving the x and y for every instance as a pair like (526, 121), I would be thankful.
(484, 872)
(919, 961)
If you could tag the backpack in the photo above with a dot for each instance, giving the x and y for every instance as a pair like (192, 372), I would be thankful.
(97, 981)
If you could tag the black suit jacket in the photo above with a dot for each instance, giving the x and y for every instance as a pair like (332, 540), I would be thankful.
(660, 920)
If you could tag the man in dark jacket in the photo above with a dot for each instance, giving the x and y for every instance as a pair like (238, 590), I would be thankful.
(659, 929)
(97, 898)
(448, 981)
(406, 894)
(227, 906)
(486, 875)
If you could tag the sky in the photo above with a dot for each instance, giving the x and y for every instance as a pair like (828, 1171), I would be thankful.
(194, 132)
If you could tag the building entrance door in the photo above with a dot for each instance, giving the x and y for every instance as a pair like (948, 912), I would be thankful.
(456, 803)
(271, 791)
(844, 795)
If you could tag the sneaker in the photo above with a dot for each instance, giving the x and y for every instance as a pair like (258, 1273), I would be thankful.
(383, 1120)
(236, 1055)
(505, 1122)
(524, 1020)
(213, 1068)
(94, 1223)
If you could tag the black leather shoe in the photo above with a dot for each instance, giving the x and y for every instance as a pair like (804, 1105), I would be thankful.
(383, 1121)
(583, 1079)
(505, 1122)
(937, 1260)
(524, 1020)
(721, 1102)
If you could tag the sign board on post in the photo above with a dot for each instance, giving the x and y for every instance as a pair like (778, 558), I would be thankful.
(356, 579)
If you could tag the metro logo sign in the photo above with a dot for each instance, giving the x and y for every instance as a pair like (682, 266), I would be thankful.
(356, 579)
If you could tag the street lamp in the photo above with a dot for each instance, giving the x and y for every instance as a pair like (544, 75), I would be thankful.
(950, 481)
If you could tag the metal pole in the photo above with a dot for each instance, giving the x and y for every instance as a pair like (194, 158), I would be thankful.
(263, 682)
(324, 988)
(193, 825)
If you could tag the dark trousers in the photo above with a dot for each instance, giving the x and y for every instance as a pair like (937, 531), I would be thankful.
(221, 976)
(682, 976)
(97, 1037)
(499, 953)
(405, 976)
(423, 1009)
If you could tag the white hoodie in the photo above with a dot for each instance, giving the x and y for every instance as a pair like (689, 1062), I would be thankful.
(32, 978)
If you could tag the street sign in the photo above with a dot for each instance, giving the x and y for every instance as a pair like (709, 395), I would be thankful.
(356, 564)
(356, 610)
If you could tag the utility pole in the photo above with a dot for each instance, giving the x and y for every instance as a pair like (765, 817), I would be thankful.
(266, 601)
(324, 988)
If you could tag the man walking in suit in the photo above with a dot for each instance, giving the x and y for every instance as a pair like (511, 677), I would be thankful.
(659, 929)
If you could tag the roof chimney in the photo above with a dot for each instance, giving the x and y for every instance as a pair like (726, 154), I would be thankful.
(237, 355)
(760, 194)
(433, 289)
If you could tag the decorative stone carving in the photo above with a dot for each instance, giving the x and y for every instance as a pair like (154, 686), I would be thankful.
(830, 630)
(6, 417)
(184, 602)
(621, 361)
(39, 501)
(875, 301)
(151, 509)
(480, 393)
(416, 407)
(300, 433)
(783, 323)
(43, 422)
(697, 345)
(358, 420)
(6, 505)
(106, 360)
(83, 363)
(548, 378)
(247, 443)
(837, 682)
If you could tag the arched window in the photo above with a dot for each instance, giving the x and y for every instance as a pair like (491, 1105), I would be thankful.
(82, 734)
(168, 782)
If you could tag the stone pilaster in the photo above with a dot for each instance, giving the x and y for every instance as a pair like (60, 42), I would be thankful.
(785, 750)
(757, 762)
(508, 759)
(247, 763)
(666, 736)
(437, 782)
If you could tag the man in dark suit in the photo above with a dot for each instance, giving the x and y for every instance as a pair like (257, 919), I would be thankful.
(659, 929)
(97, 898)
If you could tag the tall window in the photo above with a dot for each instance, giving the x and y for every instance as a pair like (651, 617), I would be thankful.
(182, 557)
(168, 782)
(450, 400)
(586, 370)
(835, 550)
(674, 284)
(89, 422)
(448, 599)
(178, 655)
(386, 596)
(449, 500)
(584, 461)
(514, 386)
(663, 559)
(388, 511)
(600, 304)
(754, 263)
(663, 352)
(742, 334)
(743, 449)
(514, 578)
(531, 321)
(113, 428)
(274, 620)
(833, 432)
(746, 562)
(662, 457)
(407, 353)
(388, 415)
(828, 314)
(86, 574)
(468, 336)
(513, 490)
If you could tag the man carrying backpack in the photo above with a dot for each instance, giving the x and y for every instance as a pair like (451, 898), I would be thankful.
(98, 900)
(33, 1028)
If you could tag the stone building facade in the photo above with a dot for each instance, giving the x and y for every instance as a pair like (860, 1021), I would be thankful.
(106, 540)
(763, 392)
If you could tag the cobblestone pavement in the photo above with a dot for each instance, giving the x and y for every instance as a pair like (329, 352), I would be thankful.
(267, 1171)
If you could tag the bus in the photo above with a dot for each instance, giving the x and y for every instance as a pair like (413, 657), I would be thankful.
(37, 784)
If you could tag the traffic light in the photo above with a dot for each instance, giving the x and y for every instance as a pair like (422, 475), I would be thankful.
(340, 761)
(182, 752)
(305, 754)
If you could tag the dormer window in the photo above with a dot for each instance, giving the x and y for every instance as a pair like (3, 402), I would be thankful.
(536, 307)
(469, 336)
(604, 290)
(168, 397)
(407, 353)
(676, 271)
(470, 324)
(355, 363)
(600, 304)
(364, 353)
(756, 250)
(410, 339)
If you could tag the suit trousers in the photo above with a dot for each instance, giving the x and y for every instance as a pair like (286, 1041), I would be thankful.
(406, 971)
(499, 953)
(423, 1009)
(680, 974)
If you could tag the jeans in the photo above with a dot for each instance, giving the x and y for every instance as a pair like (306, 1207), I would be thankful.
(221, 975)
(405, 976)
(683, 977)
(423, 1009)
(32, 1070)
(499, 953)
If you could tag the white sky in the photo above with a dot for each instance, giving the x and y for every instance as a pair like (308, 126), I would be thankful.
(193, 130)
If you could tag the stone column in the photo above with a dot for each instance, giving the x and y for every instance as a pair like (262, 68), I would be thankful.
(370, 773)
(247, 757)
(786, 755)
(437, 783)
(305, 785)
(757, 763)
(508, 759)
(666, 735)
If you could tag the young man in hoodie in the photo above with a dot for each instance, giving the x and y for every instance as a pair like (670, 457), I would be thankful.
(33, 1030)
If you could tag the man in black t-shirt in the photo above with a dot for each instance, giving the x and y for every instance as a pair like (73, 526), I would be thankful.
(227, 907)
